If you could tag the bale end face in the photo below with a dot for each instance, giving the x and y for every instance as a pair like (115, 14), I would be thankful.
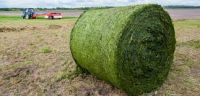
(145, 50)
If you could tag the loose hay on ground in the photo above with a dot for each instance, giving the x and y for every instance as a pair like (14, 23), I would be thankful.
(17, 29)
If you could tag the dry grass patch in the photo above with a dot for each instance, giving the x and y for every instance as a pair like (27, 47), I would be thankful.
(25, 70)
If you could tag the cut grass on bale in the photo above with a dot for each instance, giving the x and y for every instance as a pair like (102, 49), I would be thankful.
(130, 47)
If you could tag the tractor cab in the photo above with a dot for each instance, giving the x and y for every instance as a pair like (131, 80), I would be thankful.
(28, 13)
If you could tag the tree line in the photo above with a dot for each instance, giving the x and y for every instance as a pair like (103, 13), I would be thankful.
(88, 8)
(58, 8)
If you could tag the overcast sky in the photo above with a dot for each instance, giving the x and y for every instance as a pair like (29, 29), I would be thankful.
(89, 3)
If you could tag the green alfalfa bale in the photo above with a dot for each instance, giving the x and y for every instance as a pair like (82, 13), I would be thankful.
(130, 47)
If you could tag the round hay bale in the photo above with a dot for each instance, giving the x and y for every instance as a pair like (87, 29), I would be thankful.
(130, 47)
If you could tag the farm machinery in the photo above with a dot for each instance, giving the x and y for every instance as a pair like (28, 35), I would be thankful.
(29, 13)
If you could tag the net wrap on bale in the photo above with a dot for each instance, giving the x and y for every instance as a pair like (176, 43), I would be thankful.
(130, 47)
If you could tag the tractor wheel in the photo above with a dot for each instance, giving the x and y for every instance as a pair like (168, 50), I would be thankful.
(27, 17)
(51, 17)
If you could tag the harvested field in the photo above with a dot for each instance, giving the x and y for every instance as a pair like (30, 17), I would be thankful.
(17, 29)
(69, 13)
(176, 14)
(39, 61)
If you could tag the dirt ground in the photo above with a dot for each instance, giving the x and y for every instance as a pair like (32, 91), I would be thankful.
(35, 60)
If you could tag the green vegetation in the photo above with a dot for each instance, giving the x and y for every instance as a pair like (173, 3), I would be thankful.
(20, 18)
(187, 24)
(18, 21)
(192, 43)
(9, 18)
(58, 8)
(195, 44)
(46, 50)
(10, 9)
(130, 47)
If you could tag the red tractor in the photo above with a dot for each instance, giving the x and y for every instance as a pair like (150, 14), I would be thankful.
(30, 14)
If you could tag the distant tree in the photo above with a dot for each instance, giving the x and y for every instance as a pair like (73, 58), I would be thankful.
(180, 6)
(89, 8)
